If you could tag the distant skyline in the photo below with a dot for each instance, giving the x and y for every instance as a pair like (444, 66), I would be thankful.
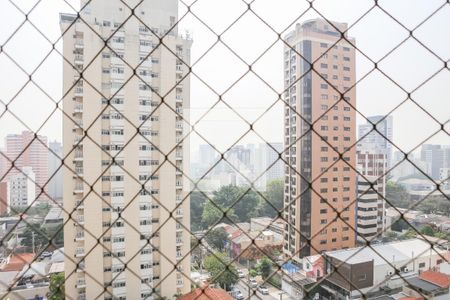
(376, 34)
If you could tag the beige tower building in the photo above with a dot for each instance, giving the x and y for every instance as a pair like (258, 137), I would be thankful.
(126, 101)
(319, 184)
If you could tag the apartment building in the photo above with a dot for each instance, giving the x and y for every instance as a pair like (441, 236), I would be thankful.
(28, 149)
(127, 99)
(20, 190)
(372, 165)
(377, 134)
(320, 181)
(367, 211)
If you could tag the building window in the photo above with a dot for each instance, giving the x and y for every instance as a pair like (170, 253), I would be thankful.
(323, 45)
(324, 86)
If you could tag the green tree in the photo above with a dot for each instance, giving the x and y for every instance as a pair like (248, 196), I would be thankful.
(397, 195)
(216, 238)
(40, 235)
(265, 267)
(427, 230)
(56, 288)
(197, 202)
(222, 271)
(246, 207)
(273, 204)
(213, 215)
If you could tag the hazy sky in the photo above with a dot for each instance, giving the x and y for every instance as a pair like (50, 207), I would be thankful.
(376, 34)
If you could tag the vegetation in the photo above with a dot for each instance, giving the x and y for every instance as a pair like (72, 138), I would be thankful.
(222, 271)
(398, 196)
(56, 288)
(265, 267)
(216, 238)
(43, 237)
(232, 204)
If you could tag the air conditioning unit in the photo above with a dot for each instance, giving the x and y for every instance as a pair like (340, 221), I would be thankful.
(405, 270)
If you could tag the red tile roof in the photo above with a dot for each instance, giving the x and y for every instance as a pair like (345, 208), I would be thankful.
(18, 261)
(207, 294)
(436, 278)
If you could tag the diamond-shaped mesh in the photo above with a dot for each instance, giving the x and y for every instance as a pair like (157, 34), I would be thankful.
(257, 71)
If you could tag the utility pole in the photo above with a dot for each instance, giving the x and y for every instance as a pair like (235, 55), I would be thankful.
(248, 278)
(32, 241)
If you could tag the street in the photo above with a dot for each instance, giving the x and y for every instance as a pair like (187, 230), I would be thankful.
(243, 287)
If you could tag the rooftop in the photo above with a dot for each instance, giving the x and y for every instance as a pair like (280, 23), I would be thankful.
(17, 261)
(207, 294)
(436, 278)
(383, 253)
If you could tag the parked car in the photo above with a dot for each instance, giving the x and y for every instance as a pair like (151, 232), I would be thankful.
(238, 295)
(240, 274)
(252, 283)
(263, 290)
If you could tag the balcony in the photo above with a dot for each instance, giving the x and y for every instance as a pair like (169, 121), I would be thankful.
(80, 267)
(179, 68)
(78, 141)
(82, 296)
(79, 171)
(178, 98)
(178, 156)
(179, 241)
(78, 108)
(79, 204)
(78, 189)
(79, 220)
(179, 110)
(79, 59)
(179, 185)
(179, 126)
(78, 124)
(79, 252)
(79, 44)
(79, 237)
(78, 92)
(81, 283)
(179, 213)
(179, 255)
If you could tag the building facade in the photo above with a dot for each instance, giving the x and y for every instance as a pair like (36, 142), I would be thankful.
(29, 150)
(372, 166)
(436, 157)
(126, 151)
(55, 185)
(319, 70)
(368, 220)
(21, 189)
(379, 138)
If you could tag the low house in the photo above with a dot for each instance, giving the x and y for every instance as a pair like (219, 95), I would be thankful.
(254, 241)
(206, 294)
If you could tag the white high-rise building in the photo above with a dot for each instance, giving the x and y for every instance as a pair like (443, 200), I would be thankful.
(125, 104)
(21, 191)
(55, 185)
(379, 140)
(367, 209)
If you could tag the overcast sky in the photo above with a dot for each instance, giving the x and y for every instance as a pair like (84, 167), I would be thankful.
(376, 34)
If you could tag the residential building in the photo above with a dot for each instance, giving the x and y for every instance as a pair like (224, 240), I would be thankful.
(21, 189)
(112, 93)
(320, 180)
(444, 178)
(369, 223)
(55, 185)
(29, 150)
(436, 157)
(377, 134)
(372, 167)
